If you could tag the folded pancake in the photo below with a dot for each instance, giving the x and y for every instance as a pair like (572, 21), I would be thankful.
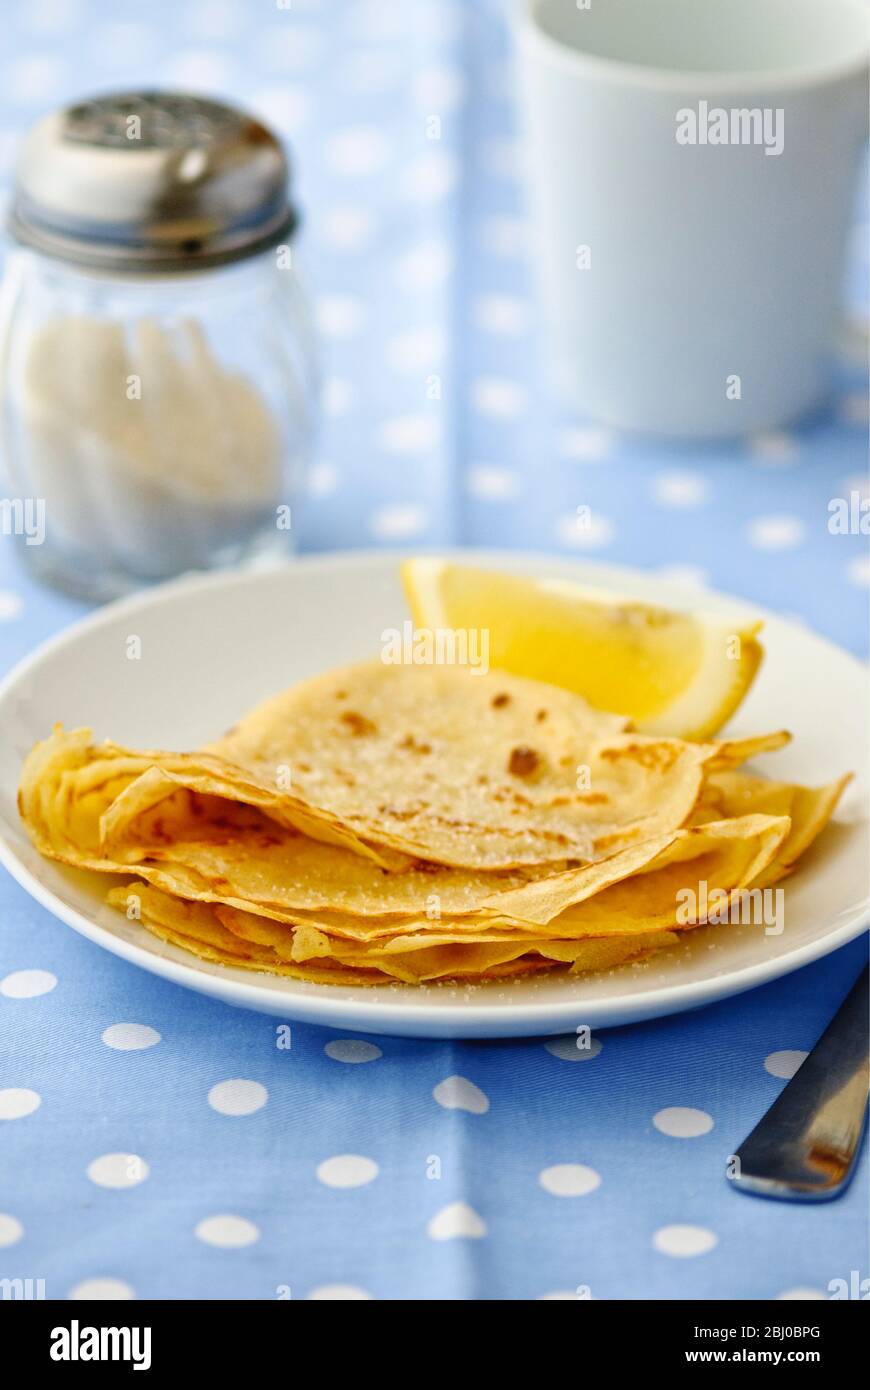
(481, 771)
(637, 890)
(573, 797)
(626, 898)
(420, 824)
(198, 928)
(67, 780)
(216, 850)
(808, 808)
(453, 960)
(642, 787)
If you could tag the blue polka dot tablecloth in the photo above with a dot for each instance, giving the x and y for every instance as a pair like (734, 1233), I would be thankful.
(155, 1144)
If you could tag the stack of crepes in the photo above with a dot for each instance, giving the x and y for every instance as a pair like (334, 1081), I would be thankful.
(408, 823)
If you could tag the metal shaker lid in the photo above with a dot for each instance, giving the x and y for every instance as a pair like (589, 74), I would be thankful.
(151, 181)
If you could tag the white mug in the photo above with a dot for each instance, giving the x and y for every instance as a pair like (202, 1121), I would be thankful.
(692, 168)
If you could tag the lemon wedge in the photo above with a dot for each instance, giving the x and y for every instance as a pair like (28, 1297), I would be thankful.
(672, 673)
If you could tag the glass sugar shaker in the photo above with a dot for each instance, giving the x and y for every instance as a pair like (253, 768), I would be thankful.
(157, 379)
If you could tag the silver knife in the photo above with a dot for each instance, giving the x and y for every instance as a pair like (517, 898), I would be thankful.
(804, 1149)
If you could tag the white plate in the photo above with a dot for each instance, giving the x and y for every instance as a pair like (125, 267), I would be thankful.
(212, 647)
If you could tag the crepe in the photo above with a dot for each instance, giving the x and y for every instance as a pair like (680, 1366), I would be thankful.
(607, 915)
(217, 849)
(808, 808)
(622, 908)
(68, 777)
(200, 929)
(421, 824)
(474, 771)
(196, 928)
(488, 771)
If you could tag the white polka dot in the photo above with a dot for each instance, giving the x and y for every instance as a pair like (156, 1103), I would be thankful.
(237, 1097)
(338, 1292)
(854, 408)
(776, 532)
(338, 316)
(198, 70)
(130, 1037)
(503, 236)
(686, 576)
(284, 107)
(492, 484)
(682, 1122)
(347, 1170)
(498, 398)
(684, 1241)
(589, 443)
(410, 434)
(680, 488)
(322, 480)
(416, 349)
(10, 606)
(456, 1221)
(430, 177)
(571, 1048)
(348, 229)
(118, 1170)
(569, 1180)
(27, 984)
(774, 448)
(458, 1093)
(352, 1050)
(358, 152)
(584, 532)
(784, 1064)
(397, 521)
(858, 571)
(439, 89)
(337, 396)
(11, 1229)
(501, 314)
(18, 1101)
(800, 1295)
(102, 1290)
(227, 1232)
(426, 267)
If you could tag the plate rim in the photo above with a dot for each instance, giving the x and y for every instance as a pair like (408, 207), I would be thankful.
(372, 1012)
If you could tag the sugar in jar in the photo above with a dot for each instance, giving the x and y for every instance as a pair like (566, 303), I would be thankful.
(157, 369)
